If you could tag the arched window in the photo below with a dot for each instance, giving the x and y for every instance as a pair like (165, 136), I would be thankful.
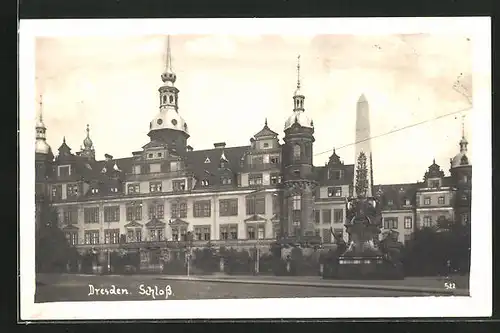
(164, 99)
(171, 98)
(296, 152)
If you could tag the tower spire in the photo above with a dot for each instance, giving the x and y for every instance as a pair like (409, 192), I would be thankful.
(168, 76)
(463, 142)
(298, 72)
(41, 144)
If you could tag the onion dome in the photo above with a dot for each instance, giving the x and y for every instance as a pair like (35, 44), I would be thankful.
(461, 159)
(87, 142)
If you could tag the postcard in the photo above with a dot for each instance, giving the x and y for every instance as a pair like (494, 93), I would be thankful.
(300, 168)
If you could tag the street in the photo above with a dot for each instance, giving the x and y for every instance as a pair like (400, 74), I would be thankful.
(57, 288)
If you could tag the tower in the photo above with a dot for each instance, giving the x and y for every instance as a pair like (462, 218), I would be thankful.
(43, 152)
(299, 182)
(88, 150)
(168, 126)
(461, 174)
(43, 164)
(363, 169)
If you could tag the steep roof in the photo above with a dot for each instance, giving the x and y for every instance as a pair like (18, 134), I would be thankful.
(394, 196)
(205, 164)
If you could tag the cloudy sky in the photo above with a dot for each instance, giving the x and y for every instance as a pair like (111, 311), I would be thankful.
(230, 84)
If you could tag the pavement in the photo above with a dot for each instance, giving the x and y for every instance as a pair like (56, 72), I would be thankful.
(410, 284)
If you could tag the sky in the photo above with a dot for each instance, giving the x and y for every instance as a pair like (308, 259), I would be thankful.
(230, 84)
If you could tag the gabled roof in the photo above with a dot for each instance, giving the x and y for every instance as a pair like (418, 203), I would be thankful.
(133, 224)
(398, 194)
(265, 132)
(155, 223)
(255, 218)
(177, 222)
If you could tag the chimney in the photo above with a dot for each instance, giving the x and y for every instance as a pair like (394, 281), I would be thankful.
(108, 157)
(189, 148)
(219, 144)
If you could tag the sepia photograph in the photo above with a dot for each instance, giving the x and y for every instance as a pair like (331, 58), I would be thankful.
(318, 169)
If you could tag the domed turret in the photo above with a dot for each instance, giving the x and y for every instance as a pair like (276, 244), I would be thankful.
(461, 159)
(298, 116)
(41, 145)
(87, 142)
(168, 125)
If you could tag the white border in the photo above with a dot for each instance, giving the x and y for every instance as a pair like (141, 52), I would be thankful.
(480, 302)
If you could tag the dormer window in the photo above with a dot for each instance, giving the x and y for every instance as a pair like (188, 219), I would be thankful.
(334, 192)
(407, 202)
(390, 202)
(226, 181)
(204, 182)
(266, 145)
(64, 170)
(72, 190)
(94, 191)
(114, 189)
(334, 174)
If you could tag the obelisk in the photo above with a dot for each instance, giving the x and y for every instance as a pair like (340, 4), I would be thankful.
(363, 145)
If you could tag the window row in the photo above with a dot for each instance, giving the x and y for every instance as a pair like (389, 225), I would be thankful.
(392, 222)
(428, 201)
(325, 216)
(157, 167)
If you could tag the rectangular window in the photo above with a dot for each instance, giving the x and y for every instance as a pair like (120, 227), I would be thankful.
(255, 205)
(156, 210)
(71, 190)
(206, 233)
(228, 207)
(441, 200)
(338, 232)
(224, 232)
(57, 192)
(183, 232)
(233, 232)
(179, 185)
(327, 215)
(175, 234)
(250, 232)
(317, 215)
(327, 236)
(92, 237)
(197, 233)
(274, 159)
(407, 202)
(408, 222)
(390, 223)
(133, 188)
(154, 187)
(156, 235)
(112, 214)
(91, 215)
(202, 208)
(296, 202)
(434, 183)
(465, 218)
(335, 191)
(134, 213)
(427, 222)
(111, 236)
(70, 216)
(335, 174)
(137, 170)
(338, 215)
(134, 235)
(390, 202)
(155, 167)
(275, 178)
(72, 238)
(427, 201)
(255, 179)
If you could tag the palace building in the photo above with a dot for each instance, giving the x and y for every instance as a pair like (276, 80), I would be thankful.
(232, 196)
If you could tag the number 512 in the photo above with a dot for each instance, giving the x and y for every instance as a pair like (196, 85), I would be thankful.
(449, 285)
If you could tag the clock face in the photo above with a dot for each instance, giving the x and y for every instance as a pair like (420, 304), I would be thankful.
(159, 121)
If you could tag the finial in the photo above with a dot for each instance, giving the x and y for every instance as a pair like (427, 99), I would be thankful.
(265, 123)
(298, 71)
(169, 56)
(64, 139)
(434, 161)
(88, 130)
(463, 126)
(41, 107)
(334, 150)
